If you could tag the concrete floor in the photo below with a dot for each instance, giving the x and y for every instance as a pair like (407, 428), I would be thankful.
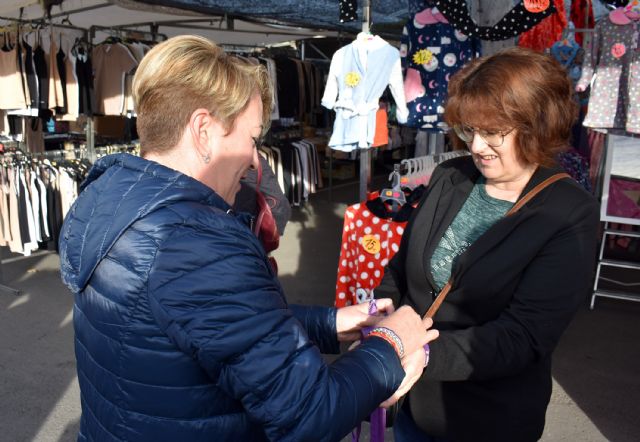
(596, 367)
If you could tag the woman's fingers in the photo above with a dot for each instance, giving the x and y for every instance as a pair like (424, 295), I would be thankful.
(385, 305)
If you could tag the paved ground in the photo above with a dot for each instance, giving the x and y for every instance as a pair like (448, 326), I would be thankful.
(596, 367)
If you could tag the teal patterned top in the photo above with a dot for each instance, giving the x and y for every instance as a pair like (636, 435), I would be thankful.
(478, 213)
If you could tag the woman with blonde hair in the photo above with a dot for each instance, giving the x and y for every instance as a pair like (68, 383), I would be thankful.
(182, 332)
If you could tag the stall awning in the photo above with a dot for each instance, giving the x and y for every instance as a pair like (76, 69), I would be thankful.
(229, 22)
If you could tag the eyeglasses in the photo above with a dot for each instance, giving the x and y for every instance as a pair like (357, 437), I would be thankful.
(493, 138)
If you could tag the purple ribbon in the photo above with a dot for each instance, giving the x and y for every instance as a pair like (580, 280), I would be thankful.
(378, 419)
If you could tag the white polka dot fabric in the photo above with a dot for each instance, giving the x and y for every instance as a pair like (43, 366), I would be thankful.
(517, 21)
(360, 270)
(348, 10)
(614, 60)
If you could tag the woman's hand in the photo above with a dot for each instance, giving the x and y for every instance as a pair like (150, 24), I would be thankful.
(414, 365)
(351, 319)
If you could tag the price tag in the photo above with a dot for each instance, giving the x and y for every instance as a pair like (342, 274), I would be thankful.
(371, 244)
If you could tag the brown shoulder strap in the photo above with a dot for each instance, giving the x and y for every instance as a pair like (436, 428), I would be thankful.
(533, 192)
(521, 202)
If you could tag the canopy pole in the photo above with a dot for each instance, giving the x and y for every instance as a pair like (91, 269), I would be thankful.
(365, 153)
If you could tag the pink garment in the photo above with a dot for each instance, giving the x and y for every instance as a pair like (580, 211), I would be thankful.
(430, 16)
(413, 87)
(624, 15)
(620, 203)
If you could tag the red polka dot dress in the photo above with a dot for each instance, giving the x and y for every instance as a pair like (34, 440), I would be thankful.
(370, 238)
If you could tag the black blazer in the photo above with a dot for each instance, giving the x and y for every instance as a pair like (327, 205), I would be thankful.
(515, 290)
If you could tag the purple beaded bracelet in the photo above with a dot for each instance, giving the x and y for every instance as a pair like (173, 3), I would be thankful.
(427, 350)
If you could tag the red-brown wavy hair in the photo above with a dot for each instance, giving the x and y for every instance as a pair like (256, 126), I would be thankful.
(516, 88)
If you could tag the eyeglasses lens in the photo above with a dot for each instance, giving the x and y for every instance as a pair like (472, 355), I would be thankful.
(466, 133)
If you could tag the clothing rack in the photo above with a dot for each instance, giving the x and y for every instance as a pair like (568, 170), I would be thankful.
(126, 33)
(5, 288)
(39, 24)
(365, 154)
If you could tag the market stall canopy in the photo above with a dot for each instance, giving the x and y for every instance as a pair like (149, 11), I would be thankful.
(306, 13)
(228, 22)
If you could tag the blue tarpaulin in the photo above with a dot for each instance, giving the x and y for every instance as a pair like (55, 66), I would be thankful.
(314, 14)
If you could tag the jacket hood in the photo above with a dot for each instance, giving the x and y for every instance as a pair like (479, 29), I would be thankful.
(119, 190)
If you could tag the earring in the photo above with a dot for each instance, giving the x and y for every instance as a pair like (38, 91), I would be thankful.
(206, 159)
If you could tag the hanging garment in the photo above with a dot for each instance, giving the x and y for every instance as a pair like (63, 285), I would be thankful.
(570, 55)
(288, 87)
(577, 166)
(273, 76)
(25, 214)
(547, 32)
(111, 63)
(43, 207)
(22, 58)
(358, 76)
(487, 17)
(302, 98)
(348, 10)
(431, 51)
(381, 136)
(12, 95)
(370, 238)
(577, 16)
(137, 52)
(30, 72)
(72, 88)
(17, 229)
(4, 207)
(613, 67)
(596, 142)
(518, 20)
(42, 74)
(56, 88)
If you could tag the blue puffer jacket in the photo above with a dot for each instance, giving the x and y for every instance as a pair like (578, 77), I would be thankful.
(182, 330)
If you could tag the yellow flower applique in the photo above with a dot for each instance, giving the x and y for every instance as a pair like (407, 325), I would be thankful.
(352, 79)
(423, 56)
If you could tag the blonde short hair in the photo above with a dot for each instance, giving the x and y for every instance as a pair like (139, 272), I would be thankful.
(186, 73)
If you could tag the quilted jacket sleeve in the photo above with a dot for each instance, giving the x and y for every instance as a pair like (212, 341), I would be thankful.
(213, 295)
(320, 324)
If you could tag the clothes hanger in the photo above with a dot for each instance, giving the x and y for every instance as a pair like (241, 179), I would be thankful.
(395, 195)
(415, 175)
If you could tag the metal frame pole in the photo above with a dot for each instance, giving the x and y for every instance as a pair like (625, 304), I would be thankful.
(365, 153)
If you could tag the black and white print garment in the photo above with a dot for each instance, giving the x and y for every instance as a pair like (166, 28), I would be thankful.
(348, 10)
(517, 21)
